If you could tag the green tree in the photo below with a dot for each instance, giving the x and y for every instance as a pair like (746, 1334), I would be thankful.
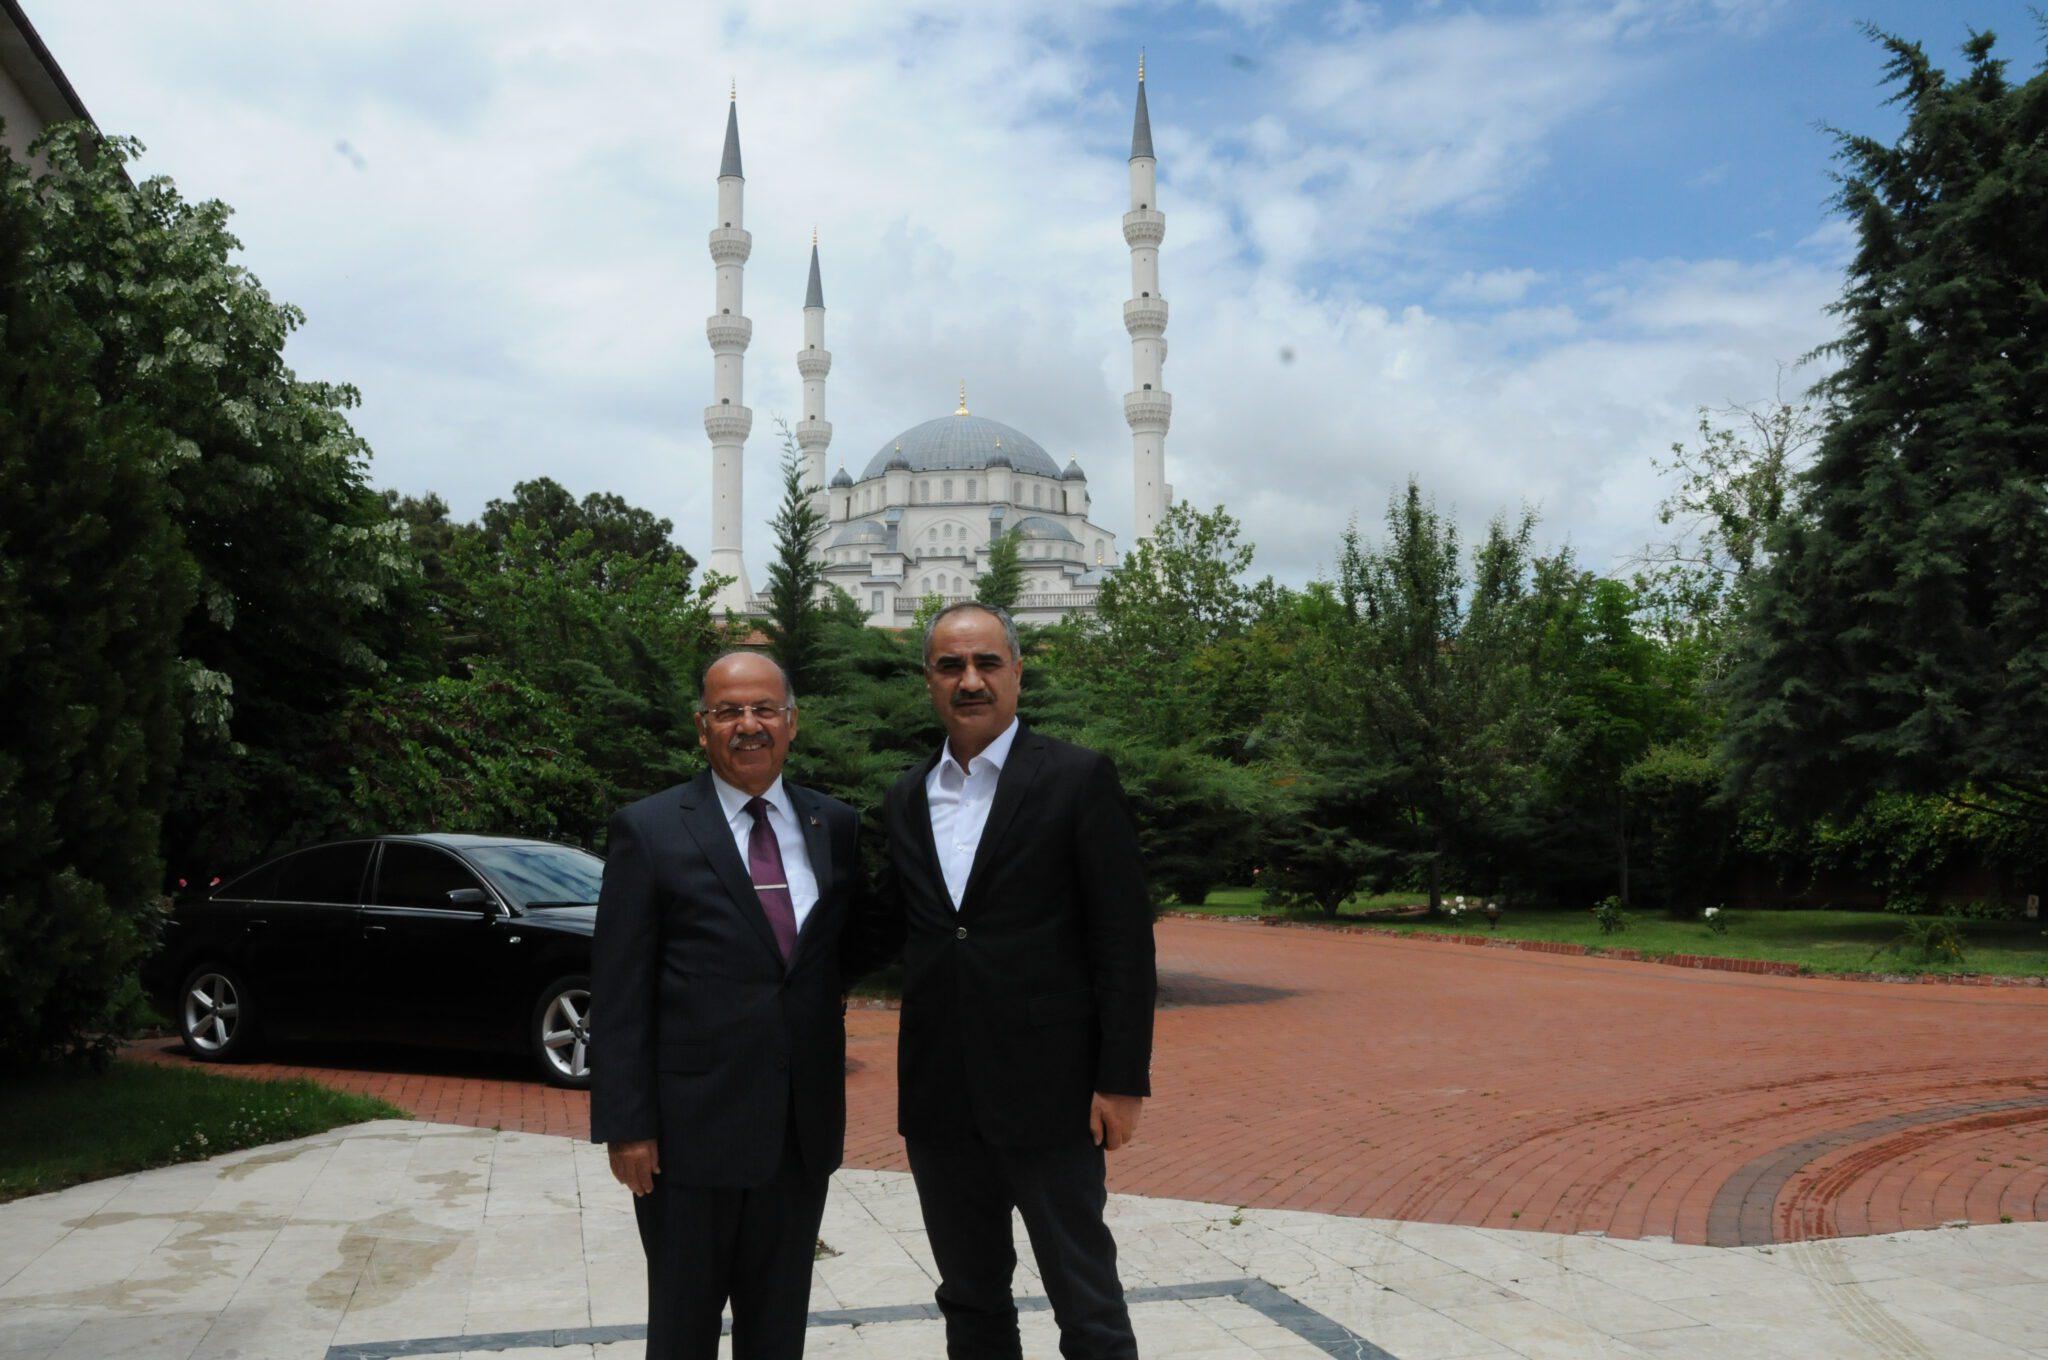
(1899, 639)
(1435, 667)
(796, 574)
(611, 527)
(1002, 580)
(297, 561)
(94, 585)
(485, 753)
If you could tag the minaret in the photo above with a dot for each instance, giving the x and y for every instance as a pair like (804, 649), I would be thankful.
(814, 361)
(1148, 410)
(728, 420)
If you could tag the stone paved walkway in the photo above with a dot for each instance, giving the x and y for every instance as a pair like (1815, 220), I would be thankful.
(423, 1239)
(1428, 1082)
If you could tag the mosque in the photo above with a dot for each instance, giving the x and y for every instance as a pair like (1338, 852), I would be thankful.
(919, 518)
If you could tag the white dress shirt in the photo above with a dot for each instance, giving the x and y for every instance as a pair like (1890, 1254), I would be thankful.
(789, 835)
(960, 800)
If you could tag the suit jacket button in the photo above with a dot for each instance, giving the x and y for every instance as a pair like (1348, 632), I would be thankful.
(782, 1062)
(961, 933)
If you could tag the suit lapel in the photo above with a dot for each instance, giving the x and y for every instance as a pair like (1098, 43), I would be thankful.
(818, 847)
(920, 813)
(1026, 752)
(704, 817)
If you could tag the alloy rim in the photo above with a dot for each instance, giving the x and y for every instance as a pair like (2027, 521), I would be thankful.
(213, 1011)
(565, 1032)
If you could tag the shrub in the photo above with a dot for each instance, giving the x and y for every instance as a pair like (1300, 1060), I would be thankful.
(1610, 916)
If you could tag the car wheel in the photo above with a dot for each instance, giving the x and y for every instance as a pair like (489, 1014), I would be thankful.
(559, 1031)
(216, 1013)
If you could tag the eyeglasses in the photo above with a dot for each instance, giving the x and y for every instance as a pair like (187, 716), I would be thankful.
(725, 715)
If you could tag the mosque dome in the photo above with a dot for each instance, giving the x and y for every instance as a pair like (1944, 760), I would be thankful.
(963, 443)
(1073, 472)
(860, 533)
(1040, 529)
(840, 478)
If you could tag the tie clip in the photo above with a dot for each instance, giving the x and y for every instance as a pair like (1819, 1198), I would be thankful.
(759, 886)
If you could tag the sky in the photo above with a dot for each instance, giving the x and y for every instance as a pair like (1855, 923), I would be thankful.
(1507, 249)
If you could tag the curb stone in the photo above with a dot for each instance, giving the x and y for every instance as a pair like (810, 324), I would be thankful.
(1707, 962)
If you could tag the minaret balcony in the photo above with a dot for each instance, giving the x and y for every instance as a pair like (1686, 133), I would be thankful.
(1145, 317)
(731, 245)
(1148, 410)
(814, 363)
(813, 434)
(729, 334)
(1144, 226)
(728, 424)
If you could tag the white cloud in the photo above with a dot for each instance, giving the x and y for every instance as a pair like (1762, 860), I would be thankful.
(1491, 288)
(509, 258)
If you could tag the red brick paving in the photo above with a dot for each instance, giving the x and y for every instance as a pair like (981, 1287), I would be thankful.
(1390, 1078)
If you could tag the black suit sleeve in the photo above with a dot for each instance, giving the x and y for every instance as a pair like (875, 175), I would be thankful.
(874, 935)
(624, 956)
(1118, 914)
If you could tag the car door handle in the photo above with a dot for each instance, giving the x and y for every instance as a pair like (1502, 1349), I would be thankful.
(375, 930)
(257, 924)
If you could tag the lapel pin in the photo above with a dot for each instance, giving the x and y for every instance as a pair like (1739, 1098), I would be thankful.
(816, 822)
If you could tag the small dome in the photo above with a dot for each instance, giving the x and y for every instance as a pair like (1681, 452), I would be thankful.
(840, 478)
(897, 462)
(1041, 529)
(861, 533)
(1073, 472)
(964, 443)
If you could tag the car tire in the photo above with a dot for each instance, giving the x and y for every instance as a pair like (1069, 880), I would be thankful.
(216, 1013)
(558, 1032)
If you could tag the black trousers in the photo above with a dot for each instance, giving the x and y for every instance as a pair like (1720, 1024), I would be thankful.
(966, 1191)
(755, 1247)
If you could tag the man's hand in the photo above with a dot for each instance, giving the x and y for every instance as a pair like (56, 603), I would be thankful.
(1113, 1120)
(636, 1164)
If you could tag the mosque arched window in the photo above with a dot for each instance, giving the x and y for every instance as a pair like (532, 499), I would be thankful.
(970, 488)
(924, 491)
(946, 489)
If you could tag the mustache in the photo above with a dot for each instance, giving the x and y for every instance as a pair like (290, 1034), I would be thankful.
(972, 699)
(743, 742)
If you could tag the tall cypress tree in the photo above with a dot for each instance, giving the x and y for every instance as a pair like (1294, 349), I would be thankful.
(1900, 637)
(1002, 581)
(796, 576)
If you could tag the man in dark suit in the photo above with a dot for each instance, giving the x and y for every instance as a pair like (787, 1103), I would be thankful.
(719, 1053)
(1027, 998)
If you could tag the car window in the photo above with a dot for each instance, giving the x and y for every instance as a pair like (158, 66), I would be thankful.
(258, 884)
(413, 875)
(327, 873)
(534, 873)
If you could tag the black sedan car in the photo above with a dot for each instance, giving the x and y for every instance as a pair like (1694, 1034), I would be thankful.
(470, 941)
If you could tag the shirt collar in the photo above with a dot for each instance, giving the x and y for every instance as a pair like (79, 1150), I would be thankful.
(735, 802)
(997, 754)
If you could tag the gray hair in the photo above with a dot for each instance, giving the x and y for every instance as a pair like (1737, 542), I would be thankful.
(994, 611)
(704, 678)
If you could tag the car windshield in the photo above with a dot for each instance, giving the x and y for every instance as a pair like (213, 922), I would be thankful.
(536, 875)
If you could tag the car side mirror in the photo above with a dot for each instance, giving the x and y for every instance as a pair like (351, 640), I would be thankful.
(468, 897)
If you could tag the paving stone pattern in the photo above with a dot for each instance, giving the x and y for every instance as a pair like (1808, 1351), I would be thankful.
(1431, 1082)
(399, 1238)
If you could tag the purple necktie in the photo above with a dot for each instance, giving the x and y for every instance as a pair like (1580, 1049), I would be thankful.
(771, 885)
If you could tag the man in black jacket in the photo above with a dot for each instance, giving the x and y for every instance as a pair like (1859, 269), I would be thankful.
(719, 1050)
(1028, 985)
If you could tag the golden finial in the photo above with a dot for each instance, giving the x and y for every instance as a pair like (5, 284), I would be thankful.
(1141, 66)
(814, 238)
(735, 96)
(999, 441)
(963, 398)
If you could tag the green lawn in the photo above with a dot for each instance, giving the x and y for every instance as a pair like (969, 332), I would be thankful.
(1825, 941)
(60, 1128)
